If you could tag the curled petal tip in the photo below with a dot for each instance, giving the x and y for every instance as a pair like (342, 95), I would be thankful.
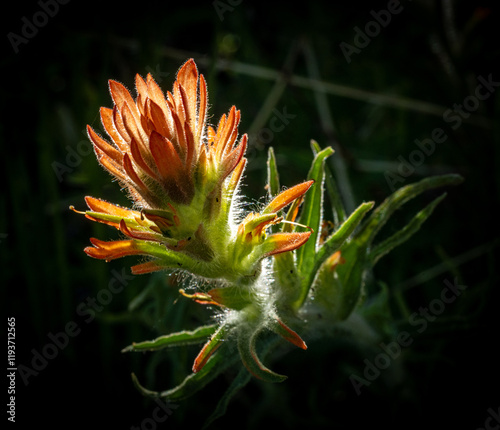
(71, 207)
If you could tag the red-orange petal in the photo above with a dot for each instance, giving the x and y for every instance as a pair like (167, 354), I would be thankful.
(283, 242)
(110, 165)
(111, 250)
(208, 350)
(148, 267)
(141, 88)
(99, 205)
(202, 109)
(165, 156)
(286, 197)
(119, 125)
(187, 76)
(133, 126)
(233, 158)
(155, 93)
(104, 146)
(224, 133)
(159, 119)
(210, 135)
(134, 177)
(121, 96)
(134, 234)
(237, 172)
(139, 156)
(109, 125)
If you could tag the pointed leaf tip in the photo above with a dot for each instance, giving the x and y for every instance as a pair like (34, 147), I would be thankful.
(286, 197)
(209, 349)
(288, 334)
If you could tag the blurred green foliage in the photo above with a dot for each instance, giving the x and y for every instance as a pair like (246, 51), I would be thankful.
(430, 53)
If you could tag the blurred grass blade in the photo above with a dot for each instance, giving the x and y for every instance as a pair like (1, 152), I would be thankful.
(175, 339)
(312, 212)
(242, 378)
(405, 233)
(397, 199)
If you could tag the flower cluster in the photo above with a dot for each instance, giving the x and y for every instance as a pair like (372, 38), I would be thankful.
(268, 271)
(183, 176)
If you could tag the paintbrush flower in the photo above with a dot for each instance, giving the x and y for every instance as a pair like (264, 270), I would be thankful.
(182, 175)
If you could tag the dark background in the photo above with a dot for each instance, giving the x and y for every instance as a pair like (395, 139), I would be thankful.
(427, 59)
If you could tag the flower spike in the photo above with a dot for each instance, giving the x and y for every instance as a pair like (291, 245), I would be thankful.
(182, 175)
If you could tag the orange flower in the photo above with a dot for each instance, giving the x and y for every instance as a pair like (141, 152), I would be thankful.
(181, 174)
(251, 231)
(162, 149)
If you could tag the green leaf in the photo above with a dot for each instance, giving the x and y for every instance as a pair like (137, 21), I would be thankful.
(383, 212)
(312, 212)
(248, 353)
(405, 233)
(213, 344)
(350, 275)
(337, 238)
(286, 277)
(273, 179)
(338, 210)
(193, 383)
(223, 358)
(279, 327)
(331, 245)
(144, 391)
(175, 339)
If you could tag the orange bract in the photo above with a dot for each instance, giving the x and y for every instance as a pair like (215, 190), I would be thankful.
(161, 147)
